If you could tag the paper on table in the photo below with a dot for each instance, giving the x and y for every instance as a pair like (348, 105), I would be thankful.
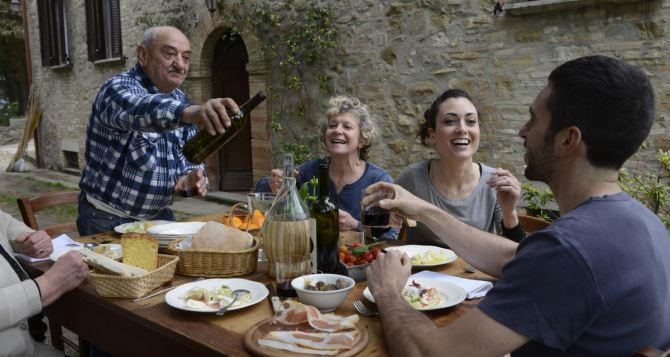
(473, 288)
(60, 244)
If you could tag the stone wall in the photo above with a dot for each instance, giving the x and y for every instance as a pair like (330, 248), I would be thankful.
(396, 56)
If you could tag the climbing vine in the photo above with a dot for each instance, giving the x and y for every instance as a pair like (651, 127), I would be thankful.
(298, 43)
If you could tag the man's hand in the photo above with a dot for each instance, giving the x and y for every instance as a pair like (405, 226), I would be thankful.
(403, 202)
(213, 114)
(34, 244)
(192, 184)
(66, 274)
(388, 274)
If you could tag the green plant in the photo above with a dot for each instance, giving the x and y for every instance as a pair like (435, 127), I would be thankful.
(298, 43)
(652, 189)
(537, 201)
(7, 112)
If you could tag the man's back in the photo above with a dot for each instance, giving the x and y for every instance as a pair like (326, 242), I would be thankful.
(596, 282)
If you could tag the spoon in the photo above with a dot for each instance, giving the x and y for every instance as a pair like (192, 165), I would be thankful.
(90, 245)
(236, 294)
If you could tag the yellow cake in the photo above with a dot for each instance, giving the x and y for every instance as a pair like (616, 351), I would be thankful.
(140, 250)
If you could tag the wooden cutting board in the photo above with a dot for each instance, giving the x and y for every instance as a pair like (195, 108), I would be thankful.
(261, 329)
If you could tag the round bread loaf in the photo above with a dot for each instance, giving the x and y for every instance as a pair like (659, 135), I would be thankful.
(222, 238)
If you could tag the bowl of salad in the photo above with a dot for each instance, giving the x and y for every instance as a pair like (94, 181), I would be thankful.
(323, 291)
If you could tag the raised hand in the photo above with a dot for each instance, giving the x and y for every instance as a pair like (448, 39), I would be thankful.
(212, 113)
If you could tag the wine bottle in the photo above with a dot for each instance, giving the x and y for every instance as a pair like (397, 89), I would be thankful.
(327, 219)
(204, 144)
(286, 230)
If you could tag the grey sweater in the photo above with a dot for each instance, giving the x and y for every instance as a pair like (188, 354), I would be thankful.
(480, 209)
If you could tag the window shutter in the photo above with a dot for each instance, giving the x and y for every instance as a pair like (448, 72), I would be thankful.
(45, 36)
(91, 36)
(115, 36)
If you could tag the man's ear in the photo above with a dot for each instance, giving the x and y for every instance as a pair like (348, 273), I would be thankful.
(142, 54)
(567, 141)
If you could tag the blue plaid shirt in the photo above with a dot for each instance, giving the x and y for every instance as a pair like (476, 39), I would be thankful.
(134, 145)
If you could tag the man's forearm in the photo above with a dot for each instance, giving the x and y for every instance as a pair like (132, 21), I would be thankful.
(487, 252)
(406, 330)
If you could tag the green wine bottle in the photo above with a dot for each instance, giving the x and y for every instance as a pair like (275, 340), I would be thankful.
(204, 144)
(327, 219)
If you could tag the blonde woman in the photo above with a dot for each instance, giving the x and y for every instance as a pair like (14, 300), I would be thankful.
(347, 132)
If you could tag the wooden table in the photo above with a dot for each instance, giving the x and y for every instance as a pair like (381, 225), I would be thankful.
(152, 328)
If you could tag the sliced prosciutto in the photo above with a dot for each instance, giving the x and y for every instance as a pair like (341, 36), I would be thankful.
(294, 313)
(317, 340)
(293, 348)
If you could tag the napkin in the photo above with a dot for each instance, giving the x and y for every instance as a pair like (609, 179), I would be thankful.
(60, 245)
(473, 288)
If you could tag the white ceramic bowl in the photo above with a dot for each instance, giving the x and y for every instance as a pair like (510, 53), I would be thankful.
(326, 301)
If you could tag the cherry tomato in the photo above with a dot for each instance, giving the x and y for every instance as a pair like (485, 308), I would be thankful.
(356, 245)
(342, 256)
(350, 258)
(374, 252)
(368, 257)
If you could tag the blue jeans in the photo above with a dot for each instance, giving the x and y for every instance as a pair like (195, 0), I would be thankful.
(92, 220)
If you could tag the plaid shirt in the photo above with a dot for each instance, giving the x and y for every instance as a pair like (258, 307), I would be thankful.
(134, 145)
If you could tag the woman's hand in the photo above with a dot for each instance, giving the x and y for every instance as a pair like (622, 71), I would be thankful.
(347, 222)
(35, 244)
(509, 191)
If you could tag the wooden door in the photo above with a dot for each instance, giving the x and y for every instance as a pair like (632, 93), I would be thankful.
(231, 79)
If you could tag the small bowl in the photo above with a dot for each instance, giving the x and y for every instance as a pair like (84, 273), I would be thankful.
(326, 301)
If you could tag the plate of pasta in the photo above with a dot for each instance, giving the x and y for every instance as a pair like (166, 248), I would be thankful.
(426, 255)
(428, 294)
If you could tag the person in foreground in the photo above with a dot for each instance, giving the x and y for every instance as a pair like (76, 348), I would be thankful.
(594, 283)
(347, 133)
(23, 297)
(139, 123)
(475, 193)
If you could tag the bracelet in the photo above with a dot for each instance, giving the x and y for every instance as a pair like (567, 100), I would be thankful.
(38, 287)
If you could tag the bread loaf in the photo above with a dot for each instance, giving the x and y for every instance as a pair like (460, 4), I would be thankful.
(108, 265)
(219, 237)
(140, 250)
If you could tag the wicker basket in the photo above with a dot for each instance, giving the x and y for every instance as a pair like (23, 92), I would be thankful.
(213, 264)
(134, 286)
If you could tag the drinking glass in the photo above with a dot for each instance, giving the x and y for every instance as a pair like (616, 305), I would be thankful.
(287, 268)
(374, 218)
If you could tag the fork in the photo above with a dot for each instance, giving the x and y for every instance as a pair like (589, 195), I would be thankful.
(363, 310)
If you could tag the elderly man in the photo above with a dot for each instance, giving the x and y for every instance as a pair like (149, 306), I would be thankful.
(139, 123)
(594, 283)
(21, 297)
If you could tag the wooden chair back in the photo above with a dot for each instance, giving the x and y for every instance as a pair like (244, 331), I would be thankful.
(29, 206)
(531, 224)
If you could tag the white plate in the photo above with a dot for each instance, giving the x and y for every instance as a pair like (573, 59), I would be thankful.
(258, 293)
(122, 228)
(115, 248)
(452, 294)
(117, 251)
(176, 228)
(413, 250)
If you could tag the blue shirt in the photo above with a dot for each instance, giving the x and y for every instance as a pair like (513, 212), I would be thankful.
(134, 144)
(349, 199)
(596, 282)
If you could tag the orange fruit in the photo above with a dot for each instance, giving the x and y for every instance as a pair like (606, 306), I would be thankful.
(257, 218)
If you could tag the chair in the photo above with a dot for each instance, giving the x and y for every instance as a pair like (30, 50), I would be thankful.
(531, 224)
(28, 207)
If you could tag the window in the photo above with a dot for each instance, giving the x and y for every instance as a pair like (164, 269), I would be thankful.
(103, 30)
(52, 19)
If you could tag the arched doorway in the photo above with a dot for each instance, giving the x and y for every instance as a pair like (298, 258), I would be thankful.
(232, 165)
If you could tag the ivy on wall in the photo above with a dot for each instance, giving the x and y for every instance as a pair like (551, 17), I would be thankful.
(298, 44)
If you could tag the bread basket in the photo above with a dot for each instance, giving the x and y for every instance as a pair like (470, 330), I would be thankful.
(215, 264)
(134, 286)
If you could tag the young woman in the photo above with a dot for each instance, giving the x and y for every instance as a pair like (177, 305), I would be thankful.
(475, 193)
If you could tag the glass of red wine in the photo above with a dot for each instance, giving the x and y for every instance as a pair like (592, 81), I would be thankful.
(287, 268)
(374, 218)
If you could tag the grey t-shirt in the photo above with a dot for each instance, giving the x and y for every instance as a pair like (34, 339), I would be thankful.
(480, 209)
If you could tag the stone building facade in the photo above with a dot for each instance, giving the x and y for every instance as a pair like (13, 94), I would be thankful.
(396, 56)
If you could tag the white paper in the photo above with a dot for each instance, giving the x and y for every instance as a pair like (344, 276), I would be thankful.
(60, 245)
(473, 288)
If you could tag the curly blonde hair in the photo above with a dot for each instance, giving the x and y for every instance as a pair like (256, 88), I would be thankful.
(341, 104)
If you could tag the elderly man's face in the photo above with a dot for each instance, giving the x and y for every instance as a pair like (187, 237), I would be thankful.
(166, 60)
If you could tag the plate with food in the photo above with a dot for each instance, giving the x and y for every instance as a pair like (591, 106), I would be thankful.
(138, 227)
(298, 329)
(426, 255)
(210, 294)
(113, 251)
(428, 294)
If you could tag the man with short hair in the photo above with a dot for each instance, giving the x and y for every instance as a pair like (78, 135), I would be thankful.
(139, 123)
(596, 282)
